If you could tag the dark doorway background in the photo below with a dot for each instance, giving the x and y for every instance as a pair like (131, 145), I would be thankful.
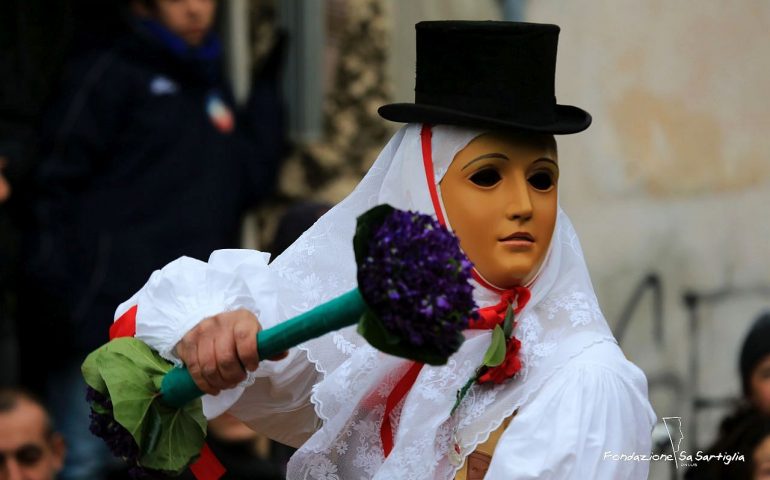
(37, 38)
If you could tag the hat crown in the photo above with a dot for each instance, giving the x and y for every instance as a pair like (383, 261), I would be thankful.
(505, 69)
(488, 74)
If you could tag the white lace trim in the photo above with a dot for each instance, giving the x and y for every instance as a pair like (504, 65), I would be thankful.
(484, 433)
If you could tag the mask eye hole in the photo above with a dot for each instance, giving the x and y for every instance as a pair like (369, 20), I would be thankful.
(542, 181)
(486, 177)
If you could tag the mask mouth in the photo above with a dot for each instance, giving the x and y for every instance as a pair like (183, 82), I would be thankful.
(519, 236)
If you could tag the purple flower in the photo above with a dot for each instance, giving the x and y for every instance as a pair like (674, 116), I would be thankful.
(97, 397)
(415, 278)
(117, 438)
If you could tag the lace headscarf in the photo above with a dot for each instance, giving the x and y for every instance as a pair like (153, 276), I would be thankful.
(560, 321)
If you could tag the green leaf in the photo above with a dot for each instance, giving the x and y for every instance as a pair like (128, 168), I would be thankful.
(496, 352)
(100, 409)
(371, 328)
(140, 354)
(365, 226)
(90, 371)
(169, 439)
(177, 436)
(152, 428)
(508, 323)
(131, 389)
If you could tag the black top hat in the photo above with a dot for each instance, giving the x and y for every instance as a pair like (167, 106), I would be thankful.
(488, 74)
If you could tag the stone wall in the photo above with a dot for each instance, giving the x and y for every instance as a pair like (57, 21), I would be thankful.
(673, 177)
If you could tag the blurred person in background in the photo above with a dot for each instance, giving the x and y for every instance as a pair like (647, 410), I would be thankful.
(749, 438)
(33, 35)
(5, 188)
(144, 159)
(746, 429)
(30, 449)
(755, 365)
(7, 252)
(760, 457)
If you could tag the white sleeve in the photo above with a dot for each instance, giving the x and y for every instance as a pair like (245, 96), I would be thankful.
(186, 291)
(278, 406)
(577, 423)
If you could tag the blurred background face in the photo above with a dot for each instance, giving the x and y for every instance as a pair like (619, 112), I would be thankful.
(760, 386)
(500, 194)
(28, 451)
(191, 20)
(5, 188)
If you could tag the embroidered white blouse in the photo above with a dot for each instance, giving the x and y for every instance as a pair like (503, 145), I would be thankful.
(591, 409)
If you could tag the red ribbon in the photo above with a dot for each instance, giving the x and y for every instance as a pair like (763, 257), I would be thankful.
(488, 318)
(427, 161)
(399, 392)
(405, 384)
(125, 325)
(207, 467)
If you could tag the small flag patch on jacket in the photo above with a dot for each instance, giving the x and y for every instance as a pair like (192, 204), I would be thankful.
(219, 113)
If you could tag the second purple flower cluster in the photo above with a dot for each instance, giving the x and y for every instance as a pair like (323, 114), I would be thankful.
(415, 277)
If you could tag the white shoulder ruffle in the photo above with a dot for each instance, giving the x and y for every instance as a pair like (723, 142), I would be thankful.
(186, 291)
(592, 409)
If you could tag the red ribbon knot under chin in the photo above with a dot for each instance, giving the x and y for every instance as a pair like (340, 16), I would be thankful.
(494, 315)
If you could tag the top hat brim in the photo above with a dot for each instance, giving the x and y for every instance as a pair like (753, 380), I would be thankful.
(567, 119)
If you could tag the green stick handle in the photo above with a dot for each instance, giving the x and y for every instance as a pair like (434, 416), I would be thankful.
(178, 387)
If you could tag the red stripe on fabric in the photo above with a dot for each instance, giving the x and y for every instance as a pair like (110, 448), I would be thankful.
(523, 294)
(427, 160)
(405, 384)
(399, 392)
(207, 467)
(125, 326)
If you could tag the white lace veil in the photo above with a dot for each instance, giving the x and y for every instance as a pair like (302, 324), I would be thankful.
(561, 319)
